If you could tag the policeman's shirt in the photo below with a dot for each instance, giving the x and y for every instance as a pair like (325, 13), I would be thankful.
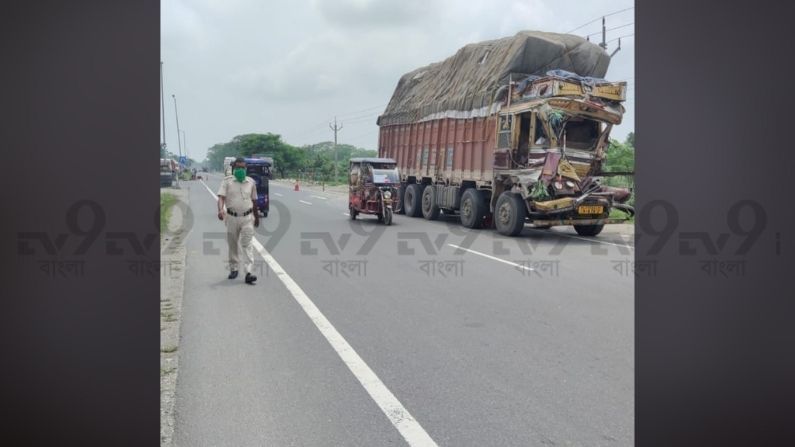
(238, 195)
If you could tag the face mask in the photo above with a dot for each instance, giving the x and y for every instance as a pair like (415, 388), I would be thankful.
(240, 174)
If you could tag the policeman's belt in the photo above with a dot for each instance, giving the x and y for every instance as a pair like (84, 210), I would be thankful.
(232, 213)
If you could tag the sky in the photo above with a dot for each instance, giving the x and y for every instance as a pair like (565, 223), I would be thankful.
(259, 66)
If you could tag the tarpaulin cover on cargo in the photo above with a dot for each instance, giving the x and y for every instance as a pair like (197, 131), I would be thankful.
(467, 84)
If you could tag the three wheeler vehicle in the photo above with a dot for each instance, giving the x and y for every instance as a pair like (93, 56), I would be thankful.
(260, 170)
(372, 188)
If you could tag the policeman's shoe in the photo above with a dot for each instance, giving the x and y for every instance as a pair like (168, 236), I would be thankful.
(250, 278)
(232, 274)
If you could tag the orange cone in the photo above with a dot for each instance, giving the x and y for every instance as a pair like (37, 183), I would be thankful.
(296, 185)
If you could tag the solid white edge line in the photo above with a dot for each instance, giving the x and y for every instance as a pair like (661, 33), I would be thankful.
(492, 257)
(398, 415)
(305, 202)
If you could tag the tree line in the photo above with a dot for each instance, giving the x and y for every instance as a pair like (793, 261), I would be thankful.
(312, 162)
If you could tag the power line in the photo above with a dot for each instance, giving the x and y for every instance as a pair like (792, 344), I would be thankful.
(363, 110)
(601, 16)
(619, 37)
(610, 29)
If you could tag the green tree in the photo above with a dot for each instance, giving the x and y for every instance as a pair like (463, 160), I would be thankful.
(621, 157)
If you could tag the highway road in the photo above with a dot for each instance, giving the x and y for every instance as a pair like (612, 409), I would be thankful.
(419, 333)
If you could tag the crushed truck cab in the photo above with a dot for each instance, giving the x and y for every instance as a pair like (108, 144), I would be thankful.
(505, 148)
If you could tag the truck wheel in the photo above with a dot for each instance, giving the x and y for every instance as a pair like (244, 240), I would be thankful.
(412, 204)
(387, 216)
(509, 214)
(352, 213)
(400, 204)
(588, 230)
(429, 209)
(473, 209)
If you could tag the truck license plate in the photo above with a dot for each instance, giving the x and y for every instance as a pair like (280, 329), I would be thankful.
(590, 209)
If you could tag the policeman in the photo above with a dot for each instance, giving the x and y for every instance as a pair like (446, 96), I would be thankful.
(238, 194)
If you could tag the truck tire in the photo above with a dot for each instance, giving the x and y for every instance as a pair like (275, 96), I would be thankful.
(351, 212)
(473, 209)
(509, 214)
(430, 210)
(588, 230)
(400, 204)
(412, 204)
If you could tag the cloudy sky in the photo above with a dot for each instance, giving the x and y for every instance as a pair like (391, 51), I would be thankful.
(245, 66)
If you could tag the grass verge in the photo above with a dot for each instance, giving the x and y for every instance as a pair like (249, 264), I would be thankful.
(167, 201)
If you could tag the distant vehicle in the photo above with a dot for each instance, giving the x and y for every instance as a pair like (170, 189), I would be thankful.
(260, 171)
(494, 135)
(168, 169)
(372, 188)
(228, 165)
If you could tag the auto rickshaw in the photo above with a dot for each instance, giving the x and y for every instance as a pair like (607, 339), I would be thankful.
(260, 170)
(372, 187)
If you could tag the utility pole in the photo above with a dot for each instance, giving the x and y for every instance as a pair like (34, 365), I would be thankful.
(162, 107)
(185, 144)
(335, 129)
(604, 36)
(179, 136)
(603, 44)
(179, 141)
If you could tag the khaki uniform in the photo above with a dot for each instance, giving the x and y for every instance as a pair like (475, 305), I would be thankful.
(240, 228)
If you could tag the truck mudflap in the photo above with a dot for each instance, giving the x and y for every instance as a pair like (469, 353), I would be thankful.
(556, 222)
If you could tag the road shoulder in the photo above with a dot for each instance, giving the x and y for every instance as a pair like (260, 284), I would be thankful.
(172, 283)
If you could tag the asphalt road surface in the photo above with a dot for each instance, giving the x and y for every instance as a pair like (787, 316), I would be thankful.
(420, 333)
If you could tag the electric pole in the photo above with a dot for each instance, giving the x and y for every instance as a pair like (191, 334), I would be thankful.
(603, 44)
(163, 109)
(179, 137)
(179, 140)
(335, 129)
(604, 36)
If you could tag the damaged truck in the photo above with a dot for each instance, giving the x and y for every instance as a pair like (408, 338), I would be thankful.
(508, 132)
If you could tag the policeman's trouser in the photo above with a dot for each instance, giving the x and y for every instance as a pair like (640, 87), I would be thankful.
(239, 235)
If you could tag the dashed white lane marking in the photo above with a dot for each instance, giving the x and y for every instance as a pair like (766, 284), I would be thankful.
(404, 422)
(494, 258)
(305, 202)
(278, 194)
(320, 197)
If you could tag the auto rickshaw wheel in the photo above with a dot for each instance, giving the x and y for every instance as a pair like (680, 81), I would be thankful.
(388, 216)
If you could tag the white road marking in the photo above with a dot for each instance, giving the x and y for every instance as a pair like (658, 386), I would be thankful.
(209, 190)
(346, 214)
(398, 415)
(492, 257)
(305, 202)
(320, 197)
(277, 194)
(595, 241)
